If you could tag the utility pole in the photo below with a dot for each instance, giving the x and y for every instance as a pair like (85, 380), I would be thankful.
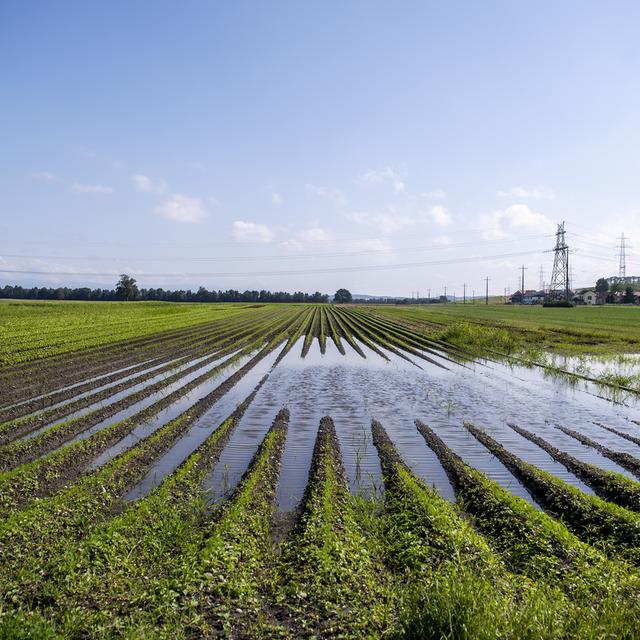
(473, 296)
(428, 295)
(559, 287)
(486, 294)
(445, 293)
(522, 268)
(505, 295)
(464, 293)
(622, 271)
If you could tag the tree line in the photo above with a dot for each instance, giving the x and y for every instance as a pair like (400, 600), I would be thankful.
(134, 293)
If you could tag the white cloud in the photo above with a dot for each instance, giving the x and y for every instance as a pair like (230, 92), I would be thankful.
(440, 216)
(251, 232)
(536, 193)
(97, 189)
(497, 224)
(383, 222)
(181, 208)
(383, 176)
(276, 198)
(436, 193)
(313, 237)
(146, 184)
(44, 176)
(334, 195)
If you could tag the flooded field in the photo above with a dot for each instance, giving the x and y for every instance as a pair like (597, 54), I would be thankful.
(263, 412)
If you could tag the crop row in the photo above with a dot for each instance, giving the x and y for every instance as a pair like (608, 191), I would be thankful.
(407, 564)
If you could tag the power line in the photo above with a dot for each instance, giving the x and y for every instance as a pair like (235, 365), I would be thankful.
(232, 274)
(291, 256)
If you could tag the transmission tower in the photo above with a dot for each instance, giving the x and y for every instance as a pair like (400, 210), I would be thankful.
(559, 287)
(622, 272)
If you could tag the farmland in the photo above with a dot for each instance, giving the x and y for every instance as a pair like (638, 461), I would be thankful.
(292, 471)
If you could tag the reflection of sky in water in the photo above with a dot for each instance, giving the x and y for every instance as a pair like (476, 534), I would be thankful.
(353, 390)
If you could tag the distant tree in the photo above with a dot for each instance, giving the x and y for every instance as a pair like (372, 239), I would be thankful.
(342, 296)
(602, 285)
(126, 289)
(628, 295)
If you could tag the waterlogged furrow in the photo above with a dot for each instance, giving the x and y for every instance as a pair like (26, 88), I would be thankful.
(605, 525)
(186, 347)
(619, 433)
(450, 583)
(133, 406)
(47, 475)
(43, 401)
(359, 335)
(607, 484)
(296, 329)
(31, 536)
(322, 337)
(625, 460)
(233, 337)
(224, 577)
(405, 337)
(37, 378)
(202, 429)
(139, 541)
(21, 452)
(26, 429)
(389, 338)
(535, 545)
(344, 332)
(330, 580)
(310, 331)
(335, 332)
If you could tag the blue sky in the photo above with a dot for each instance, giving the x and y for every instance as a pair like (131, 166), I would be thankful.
(310, 146)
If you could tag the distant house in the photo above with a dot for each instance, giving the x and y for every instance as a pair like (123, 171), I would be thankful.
(589, 296)
(530, 296)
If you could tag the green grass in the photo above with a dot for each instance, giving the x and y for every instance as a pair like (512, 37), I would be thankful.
(33, 330)
(590, 330)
